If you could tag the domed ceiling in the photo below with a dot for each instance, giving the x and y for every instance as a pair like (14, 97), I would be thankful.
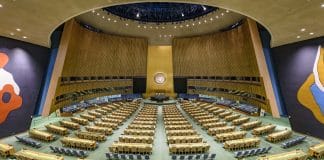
(159, 22)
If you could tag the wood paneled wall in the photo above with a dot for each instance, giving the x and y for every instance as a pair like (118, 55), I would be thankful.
(229, 53)
(223, 54)
(92, 53)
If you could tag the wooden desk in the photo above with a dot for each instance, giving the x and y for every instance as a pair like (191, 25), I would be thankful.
(178, 127)
(91, 135)
(317, 150)
(240, 120)
(104, 130)
(296, 154)
(70, 125)
(88, 117)
(279, 136)
(184, 139)
(79, 120)
(250, 125)
(106, 124)
(33, 155)
(242, 143)
(213, 125)
(188, 148)
(144, 127)
(139, 132)
(120, 147)
(79, 143)
(217, 130)
(41, 135)
(57, 129)
(263, 129)
(136, 139)
(230, 136)
(185, 132)
(6, 150)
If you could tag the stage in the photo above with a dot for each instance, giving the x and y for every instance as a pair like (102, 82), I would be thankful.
(167, 102)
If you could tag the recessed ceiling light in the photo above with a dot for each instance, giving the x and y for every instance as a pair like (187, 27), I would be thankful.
(181, 26)
(157, 27)
(145, 27)
(216, 17)
(115, 21)
(187, 25)
(103, 16)
(1, 6)
(222, 14)
(193, 24)
(182, 14)
(93, 11)
(170, 35)
(138, 26)
(163, 27)
(204, 8)
(311, 33)
(175, 27)
(109, 19)
(303, 29)
(322, 5)
(211, 19)
(137, 15)
(165, 35)
(151, 27)
(11, 33)
(24, 37)
(199, 22)
(160, 35)
(227, 11)
(98, 14)
(126, 24)
(298, 37)
(205, 21)
(18, 29)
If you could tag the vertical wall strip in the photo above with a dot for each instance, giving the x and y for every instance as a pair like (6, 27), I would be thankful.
(266, 38)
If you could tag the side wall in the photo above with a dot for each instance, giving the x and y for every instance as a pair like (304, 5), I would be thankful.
(24, 70)
(223, 64)
(98, 64)
(294, 66)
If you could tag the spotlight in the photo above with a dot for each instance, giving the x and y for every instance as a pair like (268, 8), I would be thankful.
(187, 25)
(311, 33)
(322, 5)
(109, 19)
(205, 21)
(204, 8)
(163, 27)
(199, 22)
(126, 24)
(12, 34)
(24, 37)
(216, 17)
(138, 26)
(103, 16)
(98, 14)
(18, 29)
(115, 21)
(137, 15)
(93, 11)
(222, 14)
(182, 14)
(227, 11)
(298, 37)
(303, 29)
(175, 27)
(211, 19)
(193, 24)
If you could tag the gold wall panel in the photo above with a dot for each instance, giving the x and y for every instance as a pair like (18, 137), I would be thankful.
(229, 53)
(159, 60)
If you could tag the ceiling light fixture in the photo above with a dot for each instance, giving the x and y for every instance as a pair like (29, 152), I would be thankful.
(115, 21)
(157, 27)
(145, 27)
(211, 19)
(205, 21)
(216, 17)
(311, 33)
(98, 14)
(109, 19)
(187, 25)
(1, 6)
(18, 29)
(303, 29)
(322, 5)
(193, 24)
(11, 33)
(175, 27)
(222, 14)
(126, 24)
(199, 22)
(298, 37)
(204, 8)
(163, 27)
(24, 37)
(227, 11)
(137, 15)
(181, 26)
(103, 16)
(182, 14)
(93, 11)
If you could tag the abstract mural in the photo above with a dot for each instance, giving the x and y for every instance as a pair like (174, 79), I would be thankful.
(311, 93)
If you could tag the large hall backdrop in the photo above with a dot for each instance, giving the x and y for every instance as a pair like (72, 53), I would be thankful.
(22, 66)
(294, 64)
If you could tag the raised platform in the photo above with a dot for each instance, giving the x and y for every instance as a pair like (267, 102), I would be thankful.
(168, 102)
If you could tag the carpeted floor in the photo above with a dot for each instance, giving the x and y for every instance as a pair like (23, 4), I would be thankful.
(160, 147)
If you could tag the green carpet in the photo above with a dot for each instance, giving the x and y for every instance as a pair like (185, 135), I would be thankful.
(160, 147)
